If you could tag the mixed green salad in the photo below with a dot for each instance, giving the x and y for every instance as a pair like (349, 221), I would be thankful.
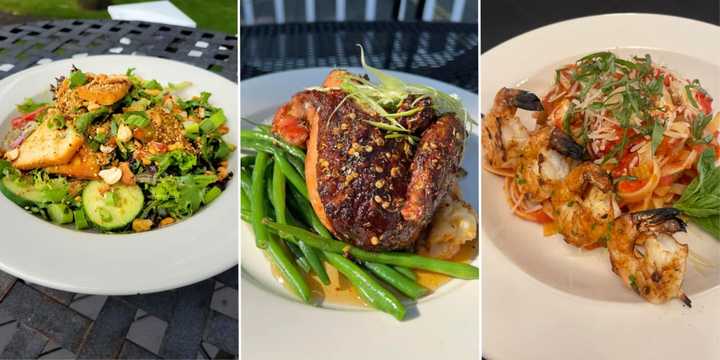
(115, 153)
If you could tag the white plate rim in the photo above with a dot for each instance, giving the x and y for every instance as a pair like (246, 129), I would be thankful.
(260, 307)
(128, 264)
(576, 326)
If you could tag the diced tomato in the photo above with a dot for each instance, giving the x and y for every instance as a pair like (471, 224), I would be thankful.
(699, 148)
(705, 102)
(628, 186)
(20, 121)
(666, 180)
(625, 160)
(138, 134)
(541, 217)
(666, 146)
(667, 80)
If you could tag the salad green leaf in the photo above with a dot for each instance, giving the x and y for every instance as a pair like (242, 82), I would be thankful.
(213, 122)
(29, 105)
(77, 78)
(137, 119)
(152, 85)
(701, 199)
(182, 160)
(711, 224)
(83, 121)
(181, 196)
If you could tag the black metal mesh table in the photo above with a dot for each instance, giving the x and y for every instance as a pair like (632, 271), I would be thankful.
(444, 51)
(199, 320)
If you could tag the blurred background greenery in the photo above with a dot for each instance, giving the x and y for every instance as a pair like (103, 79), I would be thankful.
(217, 15)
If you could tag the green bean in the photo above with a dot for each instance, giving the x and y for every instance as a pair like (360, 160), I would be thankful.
(453, 269)
(299, 257)
(279, 203)
(257, 200)
(247, 161)
(278, 190)
(397, 280)
(257, 145)
(298, 164)
(249, 135)
(374, 293)
(245, 216)
(245, 202)
(246, 181)
(295, 179)
(307, 211)
(287, 268)
(407, 272)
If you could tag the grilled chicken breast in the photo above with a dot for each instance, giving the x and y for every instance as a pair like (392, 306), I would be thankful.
(374, 192)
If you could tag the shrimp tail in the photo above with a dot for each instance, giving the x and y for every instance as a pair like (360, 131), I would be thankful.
(662, 220)
(686, 300)
(566, 145)
(526, 100)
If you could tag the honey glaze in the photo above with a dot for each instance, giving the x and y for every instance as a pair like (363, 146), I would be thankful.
(341, 292)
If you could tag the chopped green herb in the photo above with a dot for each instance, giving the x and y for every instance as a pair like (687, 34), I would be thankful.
(657, 135)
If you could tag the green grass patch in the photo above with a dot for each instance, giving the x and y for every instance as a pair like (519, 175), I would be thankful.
(215, 15)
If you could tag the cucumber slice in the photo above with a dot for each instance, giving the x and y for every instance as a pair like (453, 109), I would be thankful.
(113, 209)
(22, 192)
(59, 213)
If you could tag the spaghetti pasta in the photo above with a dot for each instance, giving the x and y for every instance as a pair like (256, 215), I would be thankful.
(641, 122)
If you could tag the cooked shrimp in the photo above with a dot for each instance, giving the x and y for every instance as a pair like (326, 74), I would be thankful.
(643, 263)
(583, 206)
(503, 135)
(546, 160)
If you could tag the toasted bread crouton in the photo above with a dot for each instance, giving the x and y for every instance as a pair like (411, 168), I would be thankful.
(84, 165)
(47, 147)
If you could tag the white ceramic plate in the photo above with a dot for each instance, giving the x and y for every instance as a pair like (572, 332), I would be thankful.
(543, 298)
(443, 324)
(190, 251)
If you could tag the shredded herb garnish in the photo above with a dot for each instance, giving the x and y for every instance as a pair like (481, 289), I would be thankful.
(387, 95)
(628, 91)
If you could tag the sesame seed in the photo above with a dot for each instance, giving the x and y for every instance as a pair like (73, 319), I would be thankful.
(378, 169)
(374, 240)
(395, 171)
(385, 205)
(378, 199)
(379, 184)
(368, 148)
